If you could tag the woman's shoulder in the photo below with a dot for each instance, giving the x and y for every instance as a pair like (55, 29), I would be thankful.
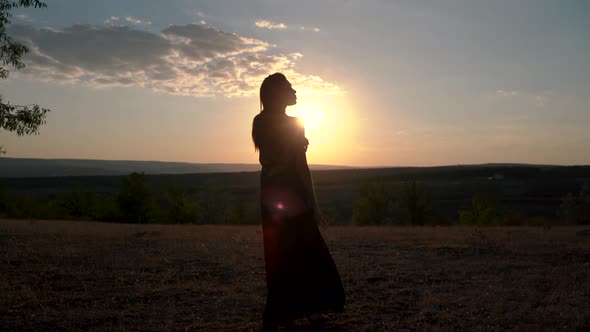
(297, 126)
(284, 123)
(257, 118)
(259, 122)
(292, 119)
(295, 122)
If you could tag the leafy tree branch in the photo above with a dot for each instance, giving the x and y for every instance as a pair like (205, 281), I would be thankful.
(22, 119)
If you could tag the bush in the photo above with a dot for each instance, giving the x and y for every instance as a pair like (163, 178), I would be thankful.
(245, 213)
(218, 208)
(4, 203)
(381, 203)
(483, 213)
(519, 219)
(135, 200)
(21, 207)
(575, 209)
(86, 205)
(16, 207)
(181, 207)
(375, 205)
(79, 204)
(418, 205)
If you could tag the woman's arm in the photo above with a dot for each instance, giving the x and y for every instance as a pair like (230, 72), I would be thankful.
(305, 175)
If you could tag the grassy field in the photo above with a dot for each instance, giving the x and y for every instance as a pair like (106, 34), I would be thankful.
(62, 275)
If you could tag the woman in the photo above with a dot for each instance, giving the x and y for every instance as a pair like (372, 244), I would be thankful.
(301, 277)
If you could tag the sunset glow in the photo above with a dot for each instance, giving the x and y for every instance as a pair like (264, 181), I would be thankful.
(310, 115)
(452, 83)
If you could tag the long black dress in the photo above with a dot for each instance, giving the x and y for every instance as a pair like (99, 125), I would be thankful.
(301, 275)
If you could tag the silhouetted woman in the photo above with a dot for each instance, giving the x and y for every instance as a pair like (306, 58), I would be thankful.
(301, 277)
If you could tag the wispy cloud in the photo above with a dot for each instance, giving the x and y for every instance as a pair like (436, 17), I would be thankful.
(539, 100)
(192, 60)
(270, 25)
(23, 17)
(116, 20)
(309, 29)
(507, 93)
(282, 26)
(199, 16)
(401, 133)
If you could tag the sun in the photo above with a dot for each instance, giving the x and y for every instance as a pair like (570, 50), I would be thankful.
(310, 115)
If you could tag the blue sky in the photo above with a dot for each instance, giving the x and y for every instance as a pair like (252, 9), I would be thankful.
(393, 82)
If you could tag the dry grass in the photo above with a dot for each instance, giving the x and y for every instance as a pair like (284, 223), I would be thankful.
(61, 275)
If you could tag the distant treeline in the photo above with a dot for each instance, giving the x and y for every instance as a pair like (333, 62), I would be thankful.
(136, 202)
(377, 201)
(382, 203)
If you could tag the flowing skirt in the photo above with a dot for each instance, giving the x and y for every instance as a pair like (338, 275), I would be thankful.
(301, 275)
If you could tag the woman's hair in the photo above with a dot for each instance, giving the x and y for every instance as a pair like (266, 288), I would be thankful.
(269, 88)
(254, 134)
(268, 97)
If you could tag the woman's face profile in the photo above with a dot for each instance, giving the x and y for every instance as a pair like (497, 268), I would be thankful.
(288, 94)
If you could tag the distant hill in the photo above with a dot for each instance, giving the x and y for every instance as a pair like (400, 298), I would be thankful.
(28, 167)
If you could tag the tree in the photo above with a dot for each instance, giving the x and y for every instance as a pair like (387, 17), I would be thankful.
(136, 201)
(22, 119)
(418, 204)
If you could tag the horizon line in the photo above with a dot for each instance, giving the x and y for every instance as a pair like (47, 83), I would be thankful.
(313, 164)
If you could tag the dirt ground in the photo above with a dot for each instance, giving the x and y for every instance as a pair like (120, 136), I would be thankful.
(62, 275)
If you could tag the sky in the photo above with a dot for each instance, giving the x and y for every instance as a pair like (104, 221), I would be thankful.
(379, 82)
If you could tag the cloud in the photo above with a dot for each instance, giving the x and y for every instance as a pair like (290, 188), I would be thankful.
(137, 21)
(114, 20)
(200, 14)
(309, 29)
(192, 60)
(199, 17)
(23, 17)
(539, 100)
(269, 25)
(507, 93)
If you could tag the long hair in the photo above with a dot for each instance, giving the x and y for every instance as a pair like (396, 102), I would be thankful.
(268, 97)
(268, 90)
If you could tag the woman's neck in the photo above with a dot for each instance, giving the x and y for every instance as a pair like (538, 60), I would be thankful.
(275, 109)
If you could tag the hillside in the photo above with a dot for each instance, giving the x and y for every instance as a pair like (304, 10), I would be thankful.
(26, 167)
